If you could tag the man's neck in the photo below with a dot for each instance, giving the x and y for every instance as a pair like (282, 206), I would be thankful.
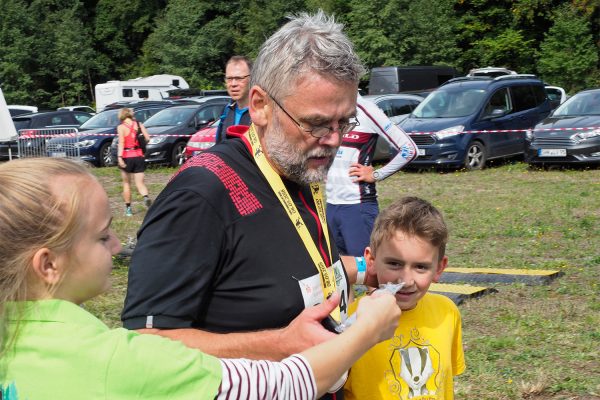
(242, 103)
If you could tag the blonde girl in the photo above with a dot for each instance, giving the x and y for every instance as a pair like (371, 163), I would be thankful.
(56, 249)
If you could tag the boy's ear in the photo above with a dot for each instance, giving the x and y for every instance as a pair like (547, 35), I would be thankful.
(370, 260)
(259, 106)
(440, 268)
(46, 267)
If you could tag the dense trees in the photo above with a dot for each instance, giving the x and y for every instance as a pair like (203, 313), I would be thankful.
(52, 52)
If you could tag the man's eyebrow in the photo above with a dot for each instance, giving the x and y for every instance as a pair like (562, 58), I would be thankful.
(321, 118)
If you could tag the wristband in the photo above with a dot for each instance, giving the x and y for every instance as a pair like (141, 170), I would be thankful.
(361, 270)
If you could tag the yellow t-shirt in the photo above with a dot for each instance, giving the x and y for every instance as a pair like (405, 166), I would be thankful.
(419, 362)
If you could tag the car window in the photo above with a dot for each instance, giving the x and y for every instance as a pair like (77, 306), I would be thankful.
(523, 97)
(105, 119)
(81, 117)
(499, 102)
(143, 115)
(61, 119)
(584, 103)
(209, 113)
(540, 94)
(171, 117)
(451, 103)
(22, 123)
(393, 107)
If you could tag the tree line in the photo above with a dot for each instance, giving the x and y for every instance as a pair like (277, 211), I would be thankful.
(53, 52)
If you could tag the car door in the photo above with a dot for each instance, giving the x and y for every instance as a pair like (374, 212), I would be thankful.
(530, 107)
(496, 115)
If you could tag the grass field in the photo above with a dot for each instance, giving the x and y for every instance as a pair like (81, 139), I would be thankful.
(523, 342)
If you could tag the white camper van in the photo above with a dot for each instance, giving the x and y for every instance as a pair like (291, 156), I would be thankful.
(149, 88)
(8, 133)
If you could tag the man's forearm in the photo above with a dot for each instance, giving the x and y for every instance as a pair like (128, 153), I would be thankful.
(260, 345)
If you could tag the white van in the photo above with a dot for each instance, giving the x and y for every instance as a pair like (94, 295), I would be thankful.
(153, 87)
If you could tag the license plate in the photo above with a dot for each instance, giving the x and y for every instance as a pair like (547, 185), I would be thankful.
(421, 152)
(62, 154)
(552, 152)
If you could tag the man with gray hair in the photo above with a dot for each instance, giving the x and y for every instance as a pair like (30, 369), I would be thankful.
(235, 257)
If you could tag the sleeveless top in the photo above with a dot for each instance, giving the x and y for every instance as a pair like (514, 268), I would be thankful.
(131, 146)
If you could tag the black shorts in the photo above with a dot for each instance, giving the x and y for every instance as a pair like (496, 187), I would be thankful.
(134, 165)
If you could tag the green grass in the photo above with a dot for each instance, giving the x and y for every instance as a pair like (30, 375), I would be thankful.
(533, 342)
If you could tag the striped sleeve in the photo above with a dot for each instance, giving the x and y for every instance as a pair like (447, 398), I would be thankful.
(292, 379)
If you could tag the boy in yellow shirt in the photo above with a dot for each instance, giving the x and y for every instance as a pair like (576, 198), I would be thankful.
(408, 245)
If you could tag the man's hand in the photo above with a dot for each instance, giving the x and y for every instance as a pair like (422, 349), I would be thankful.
(306, 330)
(361, 173)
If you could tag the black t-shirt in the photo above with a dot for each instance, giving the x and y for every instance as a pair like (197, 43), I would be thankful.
(218, 252)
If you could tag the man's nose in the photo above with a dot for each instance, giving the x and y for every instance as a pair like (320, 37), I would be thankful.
(333, 138)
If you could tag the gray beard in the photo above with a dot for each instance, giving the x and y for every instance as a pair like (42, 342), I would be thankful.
(291, 161)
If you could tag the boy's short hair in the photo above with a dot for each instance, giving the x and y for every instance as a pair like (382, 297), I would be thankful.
(413, 216)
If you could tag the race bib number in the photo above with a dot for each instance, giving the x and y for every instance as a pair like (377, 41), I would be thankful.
(312, 292)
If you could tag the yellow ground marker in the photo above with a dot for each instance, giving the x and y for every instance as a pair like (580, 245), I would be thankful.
(504, 271)
(459, 293)
(499, 275)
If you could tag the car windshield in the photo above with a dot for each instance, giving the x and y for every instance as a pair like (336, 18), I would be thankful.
(583, 103)
(450, 103)
(170, 117)
(22, 123)
(105, 119)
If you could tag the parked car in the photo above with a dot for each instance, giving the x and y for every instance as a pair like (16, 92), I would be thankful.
(18, 110)
(571, 135)
(203, 139)
(171, 128)
(451, 126)
(97, 134)
(26, 124)
(78, 108)
(396, 107)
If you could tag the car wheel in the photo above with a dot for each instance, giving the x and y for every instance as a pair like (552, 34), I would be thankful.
(476, 156)
(105, 155)
(178, 154)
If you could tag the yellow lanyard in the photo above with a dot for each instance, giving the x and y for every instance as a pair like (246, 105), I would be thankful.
(327, 276)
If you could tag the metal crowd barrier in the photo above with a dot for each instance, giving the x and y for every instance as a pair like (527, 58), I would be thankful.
(48, 142)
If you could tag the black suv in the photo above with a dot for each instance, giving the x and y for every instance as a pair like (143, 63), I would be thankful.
(469, 120)
(96, 135)
(52, 119)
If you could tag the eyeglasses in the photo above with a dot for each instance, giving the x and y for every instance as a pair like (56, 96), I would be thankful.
(230, 79)
(321, 130)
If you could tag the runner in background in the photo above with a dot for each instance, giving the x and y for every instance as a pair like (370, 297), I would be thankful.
(351, 193)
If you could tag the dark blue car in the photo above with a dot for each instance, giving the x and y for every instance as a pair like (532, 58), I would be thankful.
(449, 126)
(95, 136)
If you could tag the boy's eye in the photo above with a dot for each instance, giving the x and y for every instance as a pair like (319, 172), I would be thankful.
(105, 238)
(394, 264)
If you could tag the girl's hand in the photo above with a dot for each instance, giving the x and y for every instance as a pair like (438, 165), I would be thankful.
(381, 313)
(121, 163)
